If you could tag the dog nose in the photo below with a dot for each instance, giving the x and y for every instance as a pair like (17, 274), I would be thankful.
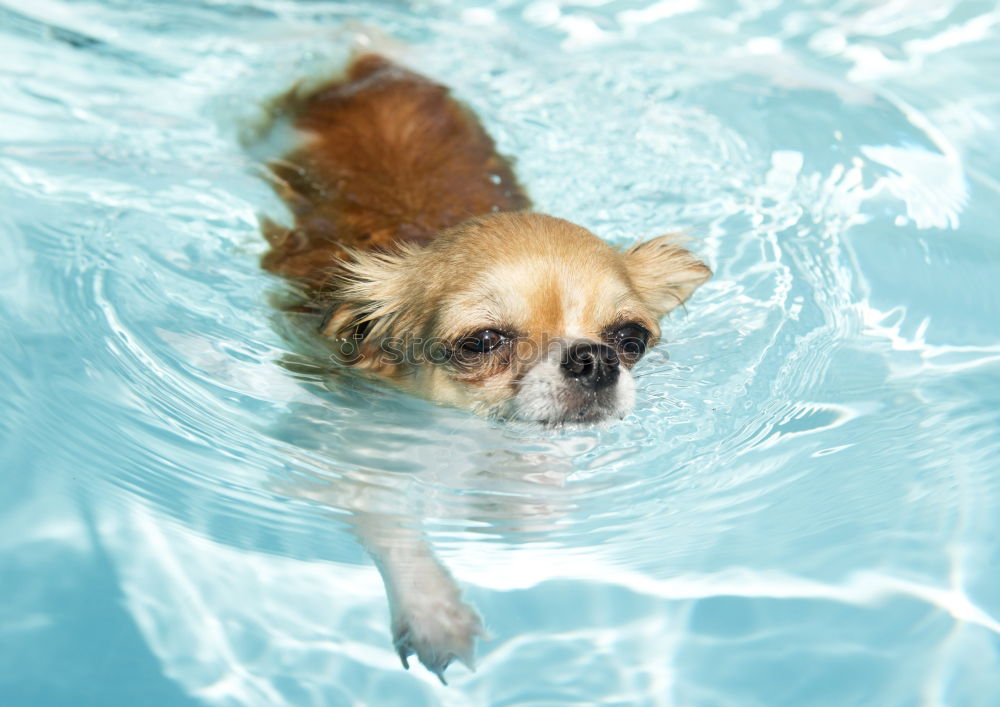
(593, 365)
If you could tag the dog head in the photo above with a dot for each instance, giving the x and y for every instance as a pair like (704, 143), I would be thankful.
(517, 315)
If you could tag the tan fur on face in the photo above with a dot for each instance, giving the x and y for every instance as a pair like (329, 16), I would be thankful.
(537, 278)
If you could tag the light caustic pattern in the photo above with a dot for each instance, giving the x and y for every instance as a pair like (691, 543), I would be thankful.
(801, 510)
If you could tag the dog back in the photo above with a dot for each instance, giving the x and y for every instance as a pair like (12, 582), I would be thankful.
(387, 156)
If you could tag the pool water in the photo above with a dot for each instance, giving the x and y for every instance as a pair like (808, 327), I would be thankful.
(802, 510)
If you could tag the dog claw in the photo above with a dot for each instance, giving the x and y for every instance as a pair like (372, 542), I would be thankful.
(439, 637)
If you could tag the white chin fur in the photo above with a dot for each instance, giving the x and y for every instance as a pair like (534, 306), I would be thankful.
(546, 395)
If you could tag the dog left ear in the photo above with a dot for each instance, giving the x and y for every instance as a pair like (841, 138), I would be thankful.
(663, 273)
(373, 296)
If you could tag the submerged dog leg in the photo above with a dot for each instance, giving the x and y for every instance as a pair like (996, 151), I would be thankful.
(429, 617)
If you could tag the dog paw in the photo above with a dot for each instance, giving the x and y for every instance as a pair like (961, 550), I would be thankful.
(438, 632)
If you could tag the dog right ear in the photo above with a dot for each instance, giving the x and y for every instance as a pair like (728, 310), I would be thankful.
(664, 273)
(373, 296)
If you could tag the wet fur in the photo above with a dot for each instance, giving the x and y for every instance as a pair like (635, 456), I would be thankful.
(409, 225)
(407, 221)
(389, 157)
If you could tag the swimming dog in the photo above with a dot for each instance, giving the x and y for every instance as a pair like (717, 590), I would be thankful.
(414, 239)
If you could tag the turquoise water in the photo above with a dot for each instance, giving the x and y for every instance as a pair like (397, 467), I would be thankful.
(803, 509)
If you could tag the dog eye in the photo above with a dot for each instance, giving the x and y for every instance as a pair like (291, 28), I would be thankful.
(482, 341)
(630, 339)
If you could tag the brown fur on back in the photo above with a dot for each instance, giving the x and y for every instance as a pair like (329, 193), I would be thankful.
(390, 157)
